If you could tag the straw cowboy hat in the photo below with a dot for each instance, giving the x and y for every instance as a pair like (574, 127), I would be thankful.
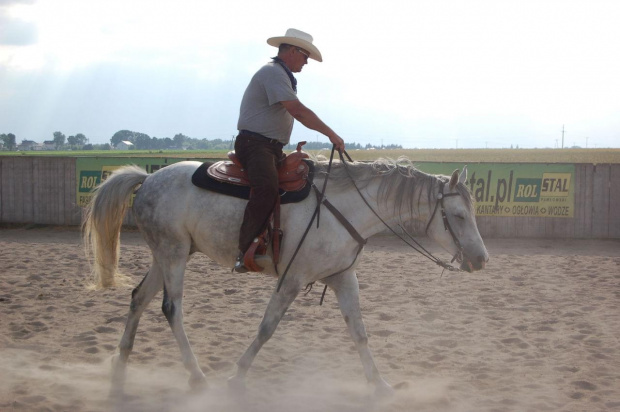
(297, 38)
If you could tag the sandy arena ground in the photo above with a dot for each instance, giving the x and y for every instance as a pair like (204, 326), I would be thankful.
(538, 330)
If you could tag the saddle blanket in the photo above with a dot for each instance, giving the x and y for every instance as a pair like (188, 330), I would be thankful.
(201, 179)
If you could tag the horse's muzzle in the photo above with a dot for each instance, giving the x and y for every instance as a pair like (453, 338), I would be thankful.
(472, 265)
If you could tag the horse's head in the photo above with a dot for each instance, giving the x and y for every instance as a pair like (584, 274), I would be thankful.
(452, 223)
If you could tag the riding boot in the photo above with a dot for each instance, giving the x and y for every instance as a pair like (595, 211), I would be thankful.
(239, 266)
(263, 261)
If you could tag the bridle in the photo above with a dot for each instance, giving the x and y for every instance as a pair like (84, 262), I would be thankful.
(446, 223)
(322, 200)
(418, 247)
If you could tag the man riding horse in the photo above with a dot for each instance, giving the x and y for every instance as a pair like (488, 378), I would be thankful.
(268, 109)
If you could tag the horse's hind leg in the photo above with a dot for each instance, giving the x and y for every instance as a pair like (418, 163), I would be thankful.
(172, 307)
(278, 304)
(347, 291)
(140, 298)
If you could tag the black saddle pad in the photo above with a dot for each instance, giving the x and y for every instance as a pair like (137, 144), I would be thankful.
(202, 180)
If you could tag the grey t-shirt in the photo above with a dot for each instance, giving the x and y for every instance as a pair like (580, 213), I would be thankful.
(261, 111)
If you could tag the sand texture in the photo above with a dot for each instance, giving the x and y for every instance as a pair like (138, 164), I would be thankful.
(538, 330)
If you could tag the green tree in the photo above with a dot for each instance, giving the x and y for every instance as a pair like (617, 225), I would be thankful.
(59, 140)
(128, 135)
(142, 141)
(179, 139)
(167, 143)
(120, 136)
(72, 142)
(77, 142)
(9, 141)
(81, 139)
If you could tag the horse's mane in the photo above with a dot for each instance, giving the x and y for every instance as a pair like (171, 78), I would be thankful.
(401, 182)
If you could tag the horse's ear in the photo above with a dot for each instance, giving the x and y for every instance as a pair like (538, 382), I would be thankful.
(454, 179)
(463, 176)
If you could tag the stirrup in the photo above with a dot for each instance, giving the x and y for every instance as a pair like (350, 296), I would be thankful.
(248, 260)
(239, 268)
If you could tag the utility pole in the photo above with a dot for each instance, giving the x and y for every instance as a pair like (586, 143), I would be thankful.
(562, 136)
(587, 141)
(457, 143)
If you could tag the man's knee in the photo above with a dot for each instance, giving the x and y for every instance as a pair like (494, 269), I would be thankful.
(267, 190)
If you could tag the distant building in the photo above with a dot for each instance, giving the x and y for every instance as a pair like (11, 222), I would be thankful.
(27, 145)
(49, 145)
(124, 145)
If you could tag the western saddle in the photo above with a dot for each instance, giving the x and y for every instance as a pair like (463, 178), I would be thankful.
(292, 176)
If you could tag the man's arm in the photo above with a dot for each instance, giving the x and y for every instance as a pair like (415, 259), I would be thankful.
(309, 119)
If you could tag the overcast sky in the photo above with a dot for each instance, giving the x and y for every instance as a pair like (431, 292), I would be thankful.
(426, 74)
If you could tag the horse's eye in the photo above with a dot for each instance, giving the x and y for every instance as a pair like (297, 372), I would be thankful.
(460, 217)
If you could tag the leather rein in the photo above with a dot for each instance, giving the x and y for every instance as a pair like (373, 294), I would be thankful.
(438, 205)
(322, 200)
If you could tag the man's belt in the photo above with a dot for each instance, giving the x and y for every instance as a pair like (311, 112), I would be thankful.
(253, 134)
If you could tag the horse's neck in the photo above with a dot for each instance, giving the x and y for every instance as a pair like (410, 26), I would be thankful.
(350, 203)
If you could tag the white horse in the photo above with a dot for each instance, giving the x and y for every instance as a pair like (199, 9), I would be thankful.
(178, 219)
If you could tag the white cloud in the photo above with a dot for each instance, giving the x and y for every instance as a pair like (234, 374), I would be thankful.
(423, 72)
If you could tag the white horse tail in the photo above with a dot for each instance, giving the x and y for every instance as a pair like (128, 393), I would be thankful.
(103, 218)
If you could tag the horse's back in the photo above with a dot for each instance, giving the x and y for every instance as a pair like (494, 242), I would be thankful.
(168, 205)
(177, 173)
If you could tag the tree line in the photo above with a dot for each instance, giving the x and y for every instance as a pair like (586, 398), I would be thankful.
(59, 142)
(142, 141)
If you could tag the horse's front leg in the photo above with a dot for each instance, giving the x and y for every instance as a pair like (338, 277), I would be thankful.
(278, 304)
(346, 287)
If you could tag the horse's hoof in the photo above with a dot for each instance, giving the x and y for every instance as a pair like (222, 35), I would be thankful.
(237, 384)
(117, 377)
(401, 385)
(198, 384)
(117, 394)
(384, 390)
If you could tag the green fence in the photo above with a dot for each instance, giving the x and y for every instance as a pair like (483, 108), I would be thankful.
(512, 200)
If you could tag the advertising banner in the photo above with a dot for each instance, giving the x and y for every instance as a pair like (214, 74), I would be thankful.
(93, 170)
(499, 189)
(509, 189)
